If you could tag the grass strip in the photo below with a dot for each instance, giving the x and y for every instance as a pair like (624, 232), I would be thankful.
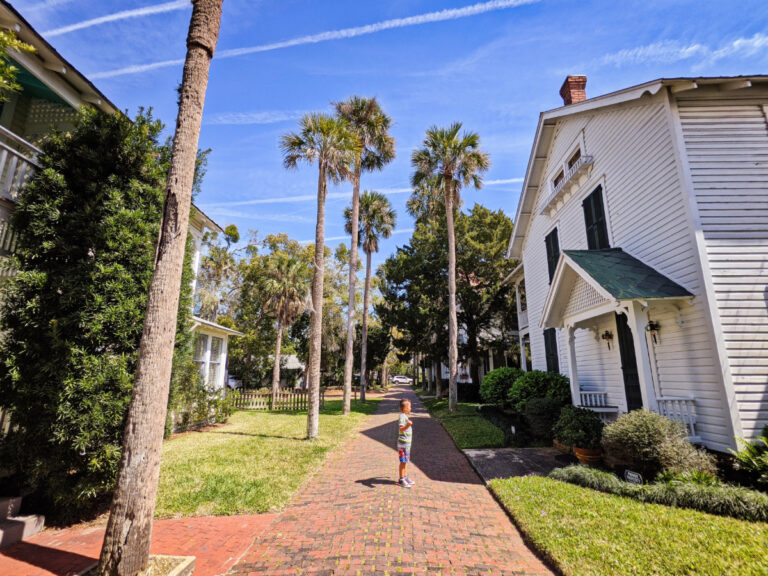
(468, 428)
(252, 464)
(588, 533)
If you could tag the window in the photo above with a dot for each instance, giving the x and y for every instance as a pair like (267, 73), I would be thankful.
(523, 300)
(214, 364)
(201, 348)
(574, 158)
(594, 220)
(559, 178)
(550, 350)
(487, 362)
(553, 252)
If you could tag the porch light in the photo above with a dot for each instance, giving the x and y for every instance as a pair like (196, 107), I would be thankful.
(653, 328)
(608, 337)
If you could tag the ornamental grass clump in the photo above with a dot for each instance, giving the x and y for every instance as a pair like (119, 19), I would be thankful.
(496, 385)
(538, 384)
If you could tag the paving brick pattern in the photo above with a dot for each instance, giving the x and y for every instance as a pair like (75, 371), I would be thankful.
(352, 518)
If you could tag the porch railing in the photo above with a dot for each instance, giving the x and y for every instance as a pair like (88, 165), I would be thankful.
(598, 402)
(17, 163)
(680, 409)
(286, 400)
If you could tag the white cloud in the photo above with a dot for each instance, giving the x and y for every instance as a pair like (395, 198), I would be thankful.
(428, 18)
(289, 217)
(124, 15)
(294, 199)
(502, 181)
(248, 118)
(47, 4)
(742, 47)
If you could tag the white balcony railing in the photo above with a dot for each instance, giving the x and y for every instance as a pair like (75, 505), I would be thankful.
(522, 319)
(572, 174)
(17, 163)
(679, 409)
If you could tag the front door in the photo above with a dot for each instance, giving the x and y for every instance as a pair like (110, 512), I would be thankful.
(628, 363)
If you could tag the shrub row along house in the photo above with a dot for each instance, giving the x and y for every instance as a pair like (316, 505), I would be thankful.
(642, 231)
(52, 91)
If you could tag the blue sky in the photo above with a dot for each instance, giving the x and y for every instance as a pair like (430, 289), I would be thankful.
(493, 66)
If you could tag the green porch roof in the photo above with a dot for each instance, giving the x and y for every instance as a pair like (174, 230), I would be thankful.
(624, 276)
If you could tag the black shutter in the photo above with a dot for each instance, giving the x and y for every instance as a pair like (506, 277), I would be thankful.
(550, 350)
(553, 252)
(594, 220)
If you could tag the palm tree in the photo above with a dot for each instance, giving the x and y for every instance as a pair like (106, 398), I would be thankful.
(327, 141)
(126, 543)
(285, 286)
(449, 160)
(377, 220)
(377, 148)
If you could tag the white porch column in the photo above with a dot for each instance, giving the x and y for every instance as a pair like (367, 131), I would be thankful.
(523, 357)
(637, 319)
(572, 366)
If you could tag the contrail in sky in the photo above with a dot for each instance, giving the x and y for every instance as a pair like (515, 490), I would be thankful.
(428, 18)
(294, 199)
(124, 15)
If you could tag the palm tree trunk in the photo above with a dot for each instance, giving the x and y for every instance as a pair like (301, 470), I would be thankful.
(349, 358)
(316, 316)
(276, 369)
(126, 543)
(438, 379)
(453, 347)
(364, 347)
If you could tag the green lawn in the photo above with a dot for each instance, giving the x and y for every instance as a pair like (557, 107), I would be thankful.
(584, 532)
(252, 464)
(468, 428)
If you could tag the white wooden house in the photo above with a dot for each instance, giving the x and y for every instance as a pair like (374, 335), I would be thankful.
(642, 232)
(52, 92)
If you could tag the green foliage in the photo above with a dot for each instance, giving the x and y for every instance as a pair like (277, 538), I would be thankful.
(466, 426)
(497, 384)
(541, 415)
(753, 457)
(578, 427)
(653, 443)
(8, 42)
(538, 384)
(696, 491)
(587, 533)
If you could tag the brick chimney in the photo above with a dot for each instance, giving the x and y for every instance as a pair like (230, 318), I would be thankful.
(574, 90)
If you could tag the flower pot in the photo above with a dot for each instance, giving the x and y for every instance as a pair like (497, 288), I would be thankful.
(589, 456)
(561, 447)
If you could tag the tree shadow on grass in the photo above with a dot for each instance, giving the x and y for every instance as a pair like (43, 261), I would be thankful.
(255, 435)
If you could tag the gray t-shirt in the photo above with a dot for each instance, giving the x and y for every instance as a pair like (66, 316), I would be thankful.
(404, 436)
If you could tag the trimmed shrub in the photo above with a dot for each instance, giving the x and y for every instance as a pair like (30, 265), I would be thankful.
(653, 443)
(538, 384)
(541, 414)
(720, 499)
(496, 385)
(579, 427)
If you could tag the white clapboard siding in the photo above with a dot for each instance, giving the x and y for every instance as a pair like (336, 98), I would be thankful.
(635, 162)
(726, 142)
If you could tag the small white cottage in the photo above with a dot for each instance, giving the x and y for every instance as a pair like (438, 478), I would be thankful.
(642, 232)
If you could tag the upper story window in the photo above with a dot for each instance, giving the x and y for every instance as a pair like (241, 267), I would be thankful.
(575, 157)
(553, 252)
(594, 220)
(550, 350)
(558, 179)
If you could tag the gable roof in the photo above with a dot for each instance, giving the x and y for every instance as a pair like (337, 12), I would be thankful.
(546, 130)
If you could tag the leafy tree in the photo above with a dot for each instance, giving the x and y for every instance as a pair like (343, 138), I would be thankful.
(377, 148)
(218, 270)
(8, 42)
(377, 220)
(447, 161)
(127, 539)
(72, 316)
(327, 141)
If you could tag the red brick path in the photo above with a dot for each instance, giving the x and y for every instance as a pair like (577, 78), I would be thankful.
(353, 519)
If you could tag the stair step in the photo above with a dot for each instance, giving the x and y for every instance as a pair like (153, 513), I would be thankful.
(9, 507)
(18, 528)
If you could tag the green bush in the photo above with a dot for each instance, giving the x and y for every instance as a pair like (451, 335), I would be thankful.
(538, 384)
(496, 385)
(713, 497)
(579, 427)
(541, 414)
(753, 457)
(652, 443)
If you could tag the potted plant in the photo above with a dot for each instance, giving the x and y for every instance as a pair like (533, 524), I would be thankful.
(582, 429)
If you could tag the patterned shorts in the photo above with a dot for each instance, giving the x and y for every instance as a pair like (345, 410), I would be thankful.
(404, 453)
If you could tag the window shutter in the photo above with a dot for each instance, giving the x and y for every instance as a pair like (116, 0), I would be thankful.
(594, 220)
(553, 252)
(550, 350)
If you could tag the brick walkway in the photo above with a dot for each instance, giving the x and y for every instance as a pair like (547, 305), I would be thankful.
(353, 519)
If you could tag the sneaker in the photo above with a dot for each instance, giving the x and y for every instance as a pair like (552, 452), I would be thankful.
(404, 483)
(408, 479)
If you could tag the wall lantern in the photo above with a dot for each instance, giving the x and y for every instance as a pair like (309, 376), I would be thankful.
(653, 328)
(608, 337)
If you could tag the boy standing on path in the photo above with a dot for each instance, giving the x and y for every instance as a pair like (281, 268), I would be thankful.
(404, 437)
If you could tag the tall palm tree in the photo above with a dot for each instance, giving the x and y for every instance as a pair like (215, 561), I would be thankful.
(126, 543)
(327, 141)
(377, 148)
(377, 220)
(449, 160)
(285, 287)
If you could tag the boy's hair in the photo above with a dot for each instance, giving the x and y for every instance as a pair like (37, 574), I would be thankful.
(403, 402)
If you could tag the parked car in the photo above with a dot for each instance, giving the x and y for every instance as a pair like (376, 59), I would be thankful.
(402, 379)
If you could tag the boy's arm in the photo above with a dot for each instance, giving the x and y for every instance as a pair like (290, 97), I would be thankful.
(404, 428)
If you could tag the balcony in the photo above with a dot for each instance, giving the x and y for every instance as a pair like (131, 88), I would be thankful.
(573, 177)
(522, 319)
(17, 163)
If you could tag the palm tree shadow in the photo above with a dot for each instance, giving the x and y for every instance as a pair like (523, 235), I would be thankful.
(255, 435)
